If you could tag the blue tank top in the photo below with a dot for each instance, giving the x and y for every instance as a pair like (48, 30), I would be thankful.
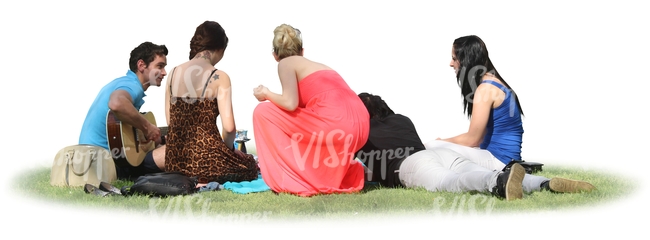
(504, 129)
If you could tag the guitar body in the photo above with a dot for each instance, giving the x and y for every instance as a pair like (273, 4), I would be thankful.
(126, 142)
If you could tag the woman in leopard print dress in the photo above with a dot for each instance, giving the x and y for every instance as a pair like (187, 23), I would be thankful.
(196, 94)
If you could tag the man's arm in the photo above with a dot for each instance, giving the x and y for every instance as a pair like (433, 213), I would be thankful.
(121, 105)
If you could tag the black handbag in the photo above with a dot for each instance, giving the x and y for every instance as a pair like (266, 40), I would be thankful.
(162, 184)
(530, 167)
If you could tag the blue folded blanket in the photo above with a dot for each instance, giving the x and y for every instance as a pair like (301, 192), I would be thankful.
(257, 185)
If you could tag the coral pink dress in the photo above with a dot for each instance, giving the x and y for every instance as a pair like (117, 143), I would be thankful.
(311, 150)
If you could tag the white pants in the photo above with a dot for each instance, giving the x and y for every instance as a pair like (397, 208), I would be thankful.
(442, 169)
(485, 159)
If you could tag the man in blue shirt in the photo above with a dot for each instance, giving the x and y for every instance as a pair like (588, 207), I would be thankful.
(124, 97)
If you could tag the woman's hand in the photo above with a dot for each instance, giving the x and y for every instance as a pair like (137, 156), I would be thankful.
(260, 93)
(240, 154)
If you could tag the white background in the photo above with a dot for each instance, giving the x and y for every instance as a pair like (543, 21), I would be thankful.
(579, 68)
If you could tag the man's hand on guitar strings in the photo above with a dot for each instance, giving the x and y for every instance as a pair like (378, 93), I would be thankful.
(153, 133)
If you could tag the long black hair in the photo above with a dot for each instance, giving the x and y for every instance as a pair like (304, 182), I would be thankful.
(377, 107)
(472, 54)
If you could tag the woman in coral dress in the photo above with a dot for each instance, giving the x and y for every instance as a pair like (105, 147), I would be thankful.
(307, 135)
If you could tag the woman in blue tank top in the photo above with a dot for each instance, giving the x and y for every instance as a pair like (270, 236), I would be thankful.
(490, 103)
(495, 132)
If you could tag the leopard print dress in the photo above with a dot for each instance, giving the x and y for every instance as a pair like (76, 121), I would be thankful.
(195, 147)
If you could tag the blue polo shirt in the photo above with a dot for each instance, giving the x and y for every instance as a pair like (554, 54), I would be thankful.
(93, 130)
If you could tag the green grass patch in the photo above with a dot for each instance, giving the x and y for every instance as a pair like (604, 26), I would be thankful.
(372, 201)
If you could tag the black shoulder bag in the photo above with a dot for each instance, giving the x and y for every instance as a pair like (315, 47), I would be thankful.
(162, 184)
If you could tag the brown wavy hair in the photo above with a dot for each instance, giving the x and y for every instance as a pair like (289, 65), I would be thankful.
(208, 36)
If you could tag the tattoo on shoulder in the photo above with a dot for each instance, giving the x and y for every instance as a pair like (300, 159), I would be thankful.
(215, 76)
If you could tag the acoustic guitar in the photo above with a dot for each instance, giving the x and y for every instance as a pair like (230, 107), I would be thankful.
(129, 145)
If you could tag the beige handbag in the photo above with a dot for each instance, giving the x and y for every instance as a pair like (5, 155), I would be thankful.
(77, 165)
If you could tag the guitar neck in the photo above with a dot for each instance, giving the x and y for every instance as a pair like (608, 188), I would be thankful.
(163, 130)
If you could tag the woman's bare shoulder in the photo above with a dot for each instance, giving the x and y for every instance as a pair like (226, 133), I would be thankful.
(221, 74)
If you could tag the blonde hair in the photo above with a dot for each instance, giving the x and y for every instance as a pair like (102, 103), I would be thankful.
(287, 41)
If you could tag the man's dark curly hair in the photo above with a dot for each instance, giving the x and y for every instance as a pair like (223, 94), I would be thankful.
(377, 107)
(146, 52)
